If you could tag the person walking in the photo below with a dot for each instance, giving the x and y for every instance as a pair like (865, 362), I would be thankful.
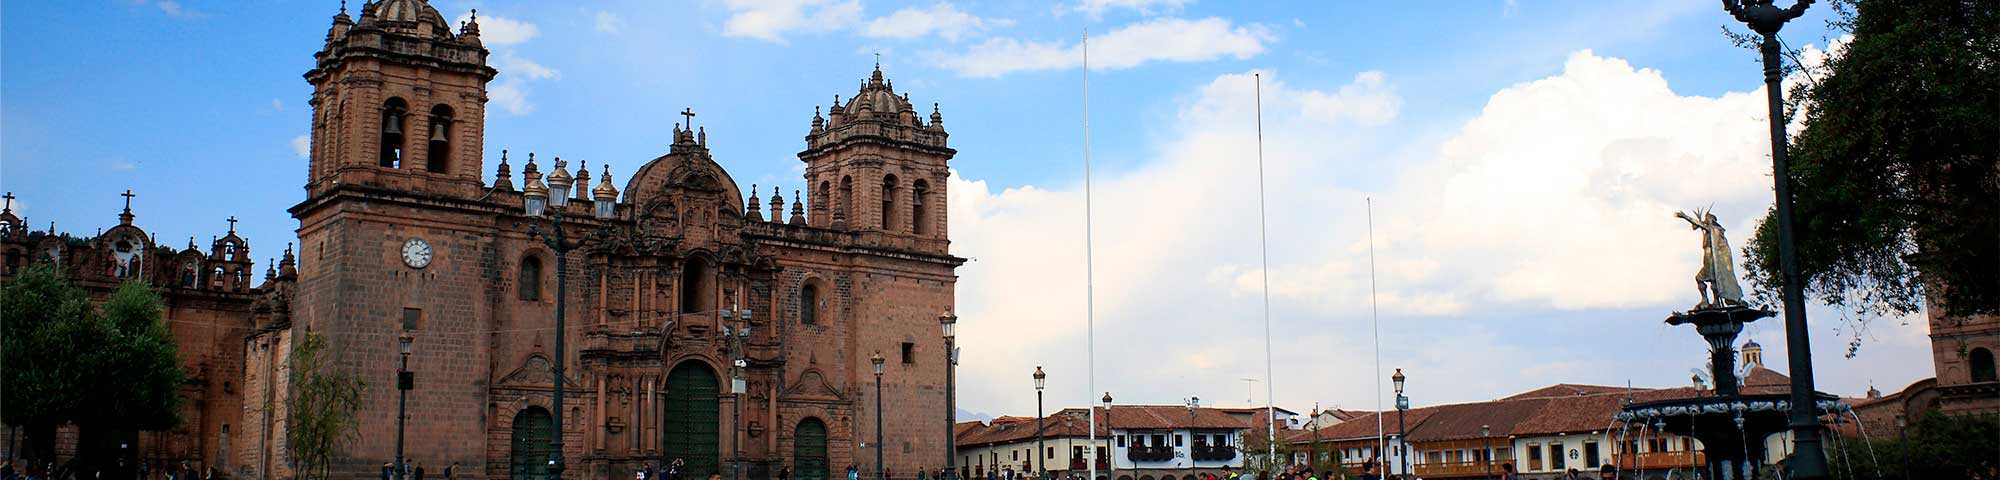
(1368, 471)
(451, 471)
(785, 473)
(1507, 471)
(388, 472)
(853, 473)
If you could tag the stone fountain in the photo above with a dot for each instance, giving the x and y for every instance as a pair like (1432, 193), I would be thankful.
(1731, 425)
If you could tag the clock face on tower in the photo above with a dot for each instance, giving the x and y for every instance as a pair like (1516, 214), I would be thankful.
(417, 253)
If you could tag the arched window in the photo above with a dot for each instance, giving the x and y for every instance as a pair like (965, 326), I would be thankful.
(889, 202)
(531, 279)
(694, 286)
(437, 159)
(809, 304)
(846, 199)
(393, 113)
(1982, 365)
(821, 204)
(918, 221)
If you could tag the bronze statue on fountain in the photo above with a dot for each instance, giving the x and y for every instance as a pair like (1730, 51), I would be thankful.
(1731, 425)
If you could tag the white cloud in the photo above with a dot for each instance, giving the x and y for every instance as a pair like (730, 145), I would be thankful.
(770, 20)
(302, 146)
(510, 89)
(1144, 7)
(942, 19)
(1529, 231)
(510, 97)
(278, 105)
(1155, 40)
(606, 22)
(174, 9)
(500, 31)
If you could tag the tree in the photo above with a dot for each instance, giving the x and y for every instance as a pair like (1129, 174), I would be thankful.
(1897, 168)
(110, 373)
(322, 409)
(1937, 446)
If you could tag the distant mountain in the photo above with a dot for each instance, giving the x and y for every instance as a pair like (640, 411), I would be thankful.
(968, 416)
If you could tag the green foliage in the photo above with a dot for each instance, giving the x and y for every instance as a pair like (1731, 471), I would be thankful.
(1938, 446)
(67, 362)
(1897, 171)
(322, 410)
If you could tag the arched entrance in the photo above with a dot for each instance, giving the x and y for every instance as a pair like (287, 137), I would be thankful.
(809, 450)
(694, 418)
(532, 434)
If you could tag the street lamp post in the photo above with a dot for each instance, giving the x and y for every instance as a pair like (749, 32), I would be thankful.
(1041, 380)
(1903, 444)
(1312, 451)
(877, 360)
(1766, 18)
(1110, 443)
(949, 323)
(553, 199)
(737, 384)
(405, 379)
(1402, 442)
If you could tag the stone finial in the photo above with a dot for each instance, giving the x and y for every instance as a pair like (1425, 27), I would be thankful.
(581, 191)
(503, 180)
(798, 210)
(755, 210)
(777, 205)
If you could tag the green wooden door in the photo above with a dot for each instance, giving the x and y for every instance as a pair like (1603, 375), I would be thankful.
(809, 450)
(531, 449)
(694, 418)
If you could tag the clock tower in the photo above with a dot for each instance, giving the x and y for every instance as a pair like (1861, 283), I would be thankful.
(396, 241)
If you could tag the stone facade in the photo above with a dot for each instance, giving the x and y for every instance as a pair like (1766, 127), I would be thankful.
(681, 256)
(208, 303)
(667, 267)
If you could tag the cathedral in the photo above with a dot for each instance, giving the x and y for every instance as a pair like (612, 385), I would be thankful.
(730, 330)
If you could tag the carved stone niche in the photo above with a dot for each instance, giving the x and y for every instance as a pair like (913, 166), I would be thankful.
(615, 424)
(756, 429)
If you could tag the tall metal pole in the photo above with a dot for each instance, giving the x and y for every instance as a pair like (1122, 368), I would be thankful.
(1402, 443)
(402, 398)
(950, 411)
(562, 249)
(880, 472)
(1808, 459)
(1264, 249)
(949, 323)
(1110, 445)
(1042, 465)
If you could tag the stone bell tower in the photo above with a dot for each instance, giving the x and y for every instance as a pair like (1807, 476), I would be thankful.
(396, 243)
(399, 102)
(877, 168)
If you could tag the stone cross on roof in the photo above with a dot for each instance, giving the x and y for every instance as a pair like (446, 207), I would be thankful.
(232, 224)
(689, 113)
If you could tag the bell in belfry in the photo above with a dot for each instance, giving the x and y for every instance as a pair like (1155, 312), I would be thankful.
(393, 124)
(437, 131)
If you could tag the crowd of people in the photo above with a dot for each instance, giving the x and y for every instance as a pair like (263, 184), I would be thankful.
(119, 469)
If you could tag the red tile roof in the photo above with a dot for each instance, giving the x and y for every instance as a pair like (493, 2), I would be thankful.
(1565, 390)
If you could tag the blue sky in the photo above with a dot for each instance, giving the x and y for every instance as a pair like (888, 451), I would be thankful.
(1448, 114)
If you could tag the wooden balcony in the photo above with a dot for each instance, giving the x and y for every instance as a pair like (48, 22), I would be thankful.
(1150, 454)
(1457, 469)
(1219, 453)
(1651, 460)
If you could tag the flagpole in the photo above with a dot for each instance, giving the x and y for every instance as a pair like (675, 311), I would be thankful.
(1375, 319)
(1089, 273)
(1264, 245)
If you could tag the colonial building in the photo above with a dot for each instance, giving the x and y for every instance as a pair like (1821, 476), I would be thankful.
(699, 325)
(209, 303)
